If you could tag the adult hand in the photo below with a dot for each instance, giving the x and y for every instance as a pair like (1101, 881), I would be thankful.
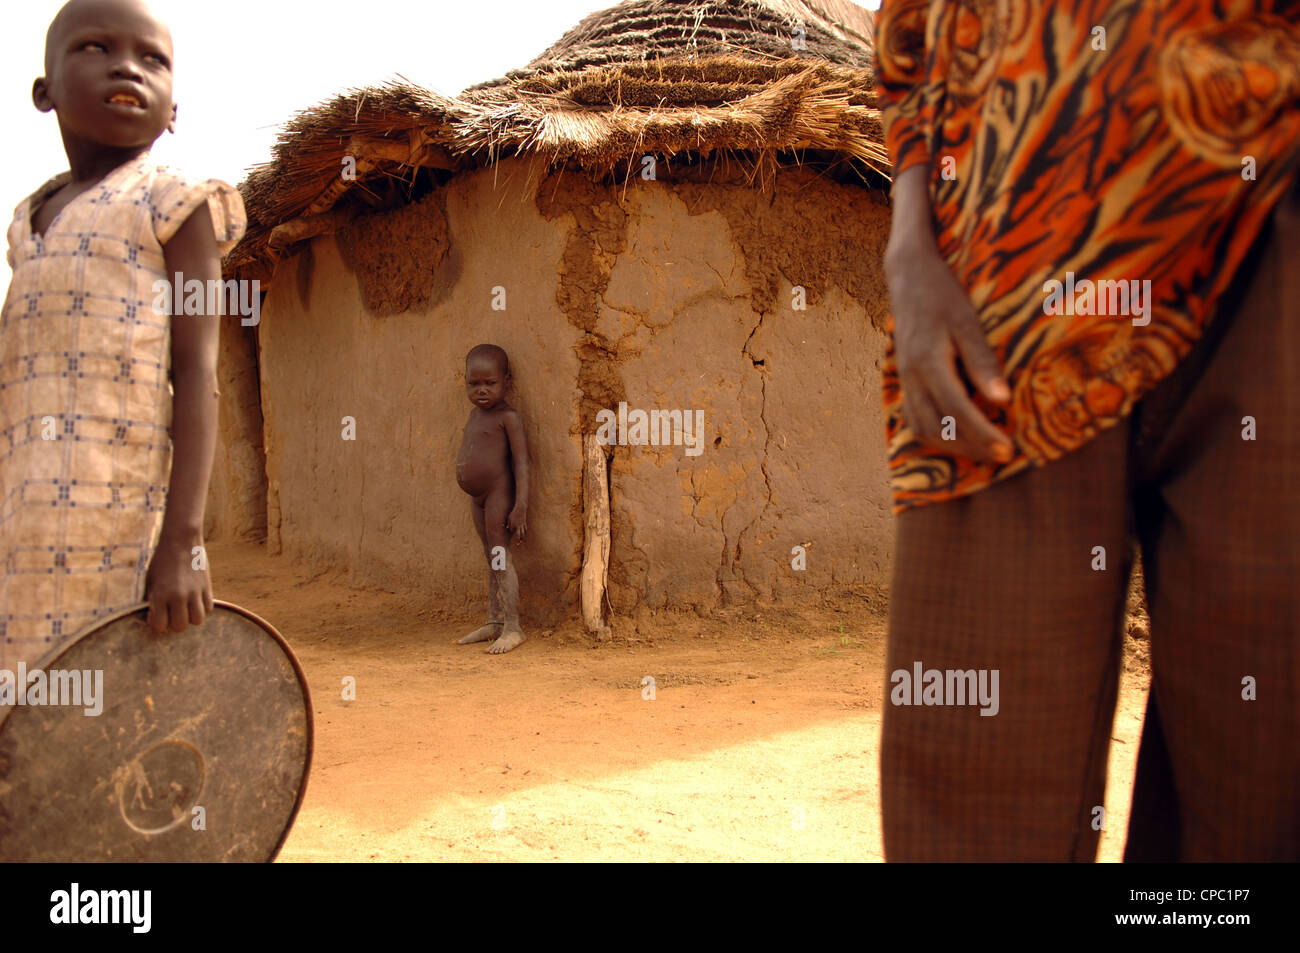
(934, 328)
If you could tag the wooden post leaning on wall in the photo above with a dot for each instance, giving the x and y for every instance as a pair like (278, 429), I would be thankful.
(595, 553)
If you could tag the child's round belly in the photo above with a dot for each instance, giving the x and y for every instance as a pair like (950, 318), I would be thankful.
(477, 480)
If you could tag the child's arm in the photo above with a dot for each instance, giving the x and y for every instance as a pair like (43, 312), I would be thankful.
(179, 594)
(517, 522)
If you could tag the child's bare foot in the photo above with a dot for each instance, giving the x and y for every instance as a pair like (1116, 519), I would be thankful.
(483, 633)
(511, 637)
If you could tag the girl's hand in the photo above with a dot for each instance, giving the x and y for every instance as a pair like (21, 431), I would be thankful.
(179, 595)
(517, 522)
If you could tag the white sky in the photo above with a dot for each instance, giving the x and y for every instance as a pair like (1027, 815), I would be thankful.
(244, 66)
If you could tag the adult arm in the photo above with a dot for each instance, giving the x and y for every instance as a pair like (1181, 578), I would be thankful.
(934, 323)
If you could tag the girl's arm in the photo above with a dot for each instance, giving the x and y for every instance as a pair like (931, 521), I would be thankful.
(179, 593)
(517, 523)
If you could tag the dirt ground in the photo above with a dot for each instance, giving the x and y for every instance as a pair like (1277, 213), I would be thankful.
(761, 742)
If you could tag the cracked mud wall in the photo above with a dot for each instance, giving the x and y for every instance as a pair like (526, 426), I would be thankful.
(667, 295)
(700, 314)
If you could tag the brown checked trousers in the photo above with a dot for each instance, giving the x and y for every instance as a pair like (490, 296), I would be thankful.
(1004, 579)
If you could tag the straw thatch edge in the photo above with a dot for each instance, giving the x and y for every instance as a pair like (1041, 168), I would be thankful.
(597, 119)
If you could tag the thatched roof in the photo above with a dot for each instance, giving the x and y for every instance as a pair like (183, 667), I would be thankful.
(664, 77)
(835, 30)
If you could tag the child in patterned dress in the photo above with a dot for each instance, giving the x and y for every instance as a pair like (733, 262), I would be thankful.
(108, 407)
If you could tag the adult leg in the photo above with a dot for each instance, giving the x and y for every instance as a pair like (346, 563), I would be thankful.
(1004, 579)
(1222, 527)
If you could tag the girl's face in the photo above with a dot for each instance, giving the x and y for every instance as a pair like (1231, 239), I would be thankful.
(110, 75)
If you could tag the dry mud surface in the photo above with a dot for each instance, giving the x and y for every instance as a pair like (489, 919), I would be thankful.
(762, 741)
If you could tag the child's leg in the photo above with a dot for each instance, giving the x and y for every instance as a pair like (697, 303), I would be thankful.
(511, 633)
(496, 508)
(492, 630)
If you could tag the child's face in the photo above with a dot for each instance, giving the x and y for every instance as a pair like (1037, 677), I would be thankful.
(485, 382)
(109, 74)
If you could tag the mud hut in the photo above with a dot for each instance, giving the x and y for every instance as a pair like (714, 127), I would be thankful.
(678, 207)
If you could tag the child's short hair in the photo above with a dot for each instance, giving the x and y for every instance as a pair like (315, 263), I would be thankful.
(491, 351)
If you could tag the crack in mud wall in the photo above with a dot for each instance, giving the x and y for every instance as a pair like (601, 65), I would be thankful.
(728, 299)
(806, 233)
(731, 578)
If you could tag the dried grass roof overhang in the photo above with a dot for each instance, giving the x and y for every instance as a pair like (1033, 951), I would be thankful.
(663, 77)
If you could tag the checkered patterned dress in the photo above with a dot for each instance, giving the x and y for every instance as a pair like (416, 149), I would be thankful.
(85, 400)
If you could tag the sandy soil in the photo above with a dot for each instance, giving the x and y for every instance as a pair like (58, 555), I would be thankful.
(761, 742)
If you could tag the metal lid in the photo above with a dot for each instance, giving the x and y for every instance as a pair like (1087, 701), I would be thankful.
(134, 746)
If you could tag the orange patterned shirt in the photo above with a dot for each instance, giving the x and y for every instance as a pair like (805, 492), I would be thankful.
(1098, 173)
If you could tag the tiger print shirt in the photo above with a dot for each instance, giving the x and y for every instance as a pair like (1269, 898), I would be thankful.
(1098, 172)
